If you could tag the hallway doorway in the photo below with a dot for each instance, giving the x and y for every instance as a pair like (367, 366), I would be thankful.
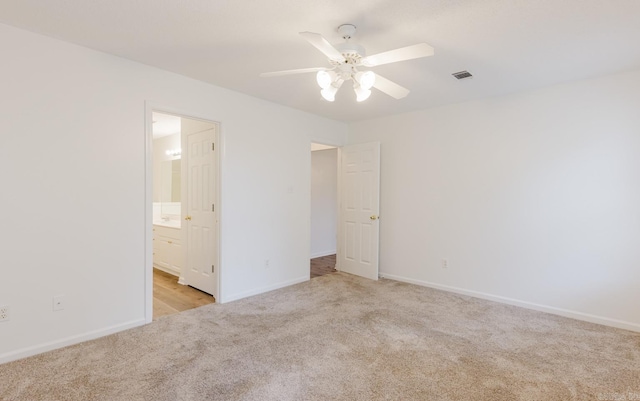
(324, 209)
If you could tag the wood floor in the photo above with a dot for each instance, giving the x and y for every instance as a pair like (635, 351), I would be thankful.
(323, 265)
(169, 297)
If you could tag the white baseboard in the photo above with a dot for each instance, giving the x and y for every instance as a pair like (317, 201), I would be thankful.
(321, 254)
(261, 290)
(167, 270)
(38, 349)
(529, 305)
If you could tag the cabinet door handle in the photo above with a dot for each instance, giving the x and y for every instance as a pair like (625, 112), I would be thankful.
(171, 242)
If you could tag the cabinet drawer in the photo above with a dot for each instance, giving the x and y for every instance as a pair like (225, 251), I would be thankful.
(167, 232)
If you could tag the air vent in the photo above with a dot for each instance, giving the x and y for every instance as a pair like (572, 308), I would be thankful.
(462, 75)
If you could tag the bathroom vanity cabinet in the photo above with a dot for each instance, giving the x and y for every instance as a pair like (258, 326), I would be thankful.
(167, 250)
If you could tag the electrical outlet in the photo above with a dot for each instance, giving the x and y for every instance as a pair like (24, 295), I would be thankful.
(4, 313)
(445, 263)
(266, 263)
(58, 303)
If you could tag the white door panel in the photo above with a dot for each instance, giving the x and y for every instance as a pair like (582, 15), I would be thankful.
(201, 219)
(359, 207)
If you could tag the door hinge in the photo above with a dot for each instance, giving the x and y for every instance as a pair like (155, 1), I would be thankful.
(213, 268)
(213, 146)
(213, 207)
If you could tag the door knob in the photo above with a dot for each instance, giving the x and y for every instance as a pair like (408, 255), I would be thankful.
(374, 217)
(188, 218)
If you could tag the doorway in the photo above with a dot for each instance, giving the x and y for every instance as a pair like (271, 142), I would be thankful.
(184, 208)
(357, 205)
(324, 209)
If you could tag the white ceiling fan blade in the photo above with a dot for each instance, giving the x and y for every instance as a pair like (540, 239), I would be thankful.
(290, 72)
(320, 43)
(390, 88)
(401, 54)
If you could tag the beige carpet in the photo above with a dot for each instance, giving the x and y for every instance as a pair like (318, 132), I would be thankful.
(339, 337)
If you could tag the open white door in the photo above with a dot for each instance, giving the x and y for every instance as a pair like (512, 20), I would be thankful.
(200, 218)
(359, 207)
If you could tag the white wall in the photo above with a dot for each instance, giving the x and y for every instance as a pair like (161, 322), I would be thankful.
(324, 202)
(534, 198)
(73, 176)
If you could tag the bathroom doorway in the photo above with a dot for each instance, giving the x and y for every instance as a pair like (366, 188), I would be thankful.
(185, 228)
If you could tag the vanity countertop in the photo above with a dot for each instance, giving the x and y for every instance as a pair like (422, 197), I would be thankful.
(168, 224)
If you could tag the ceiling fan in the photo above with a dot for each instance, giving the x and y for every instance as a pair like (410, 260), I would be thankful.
(347, 58)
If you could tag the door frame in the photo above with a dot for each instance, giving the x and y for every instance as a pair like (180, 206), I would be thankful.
(151, 107)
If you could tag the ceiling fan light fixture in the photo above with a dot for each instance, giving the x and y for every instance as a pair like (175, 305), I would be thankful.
(325, 78)
(362, 94)
(329, 94)
(366, 79)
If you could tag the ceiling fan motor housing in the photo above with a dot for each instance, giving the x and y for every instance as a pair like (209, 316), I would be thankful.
(351, 50)
(352, 53)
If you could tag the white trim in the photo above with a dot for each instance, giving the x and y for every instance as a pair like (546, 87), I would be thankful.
(323, 253)
(261, 290)
(148, 213)
(38, 349)
(523, 304)
(339, 214)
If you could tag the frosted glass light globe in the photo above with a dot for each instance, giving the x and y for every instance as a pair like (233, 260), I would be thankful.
(324, 79)
(329, 94)
(366, 79)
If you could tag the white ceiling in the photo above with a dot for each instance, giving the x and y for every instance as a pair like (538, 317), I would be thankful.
(319, 146)
(165, 125)
(509, 45)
